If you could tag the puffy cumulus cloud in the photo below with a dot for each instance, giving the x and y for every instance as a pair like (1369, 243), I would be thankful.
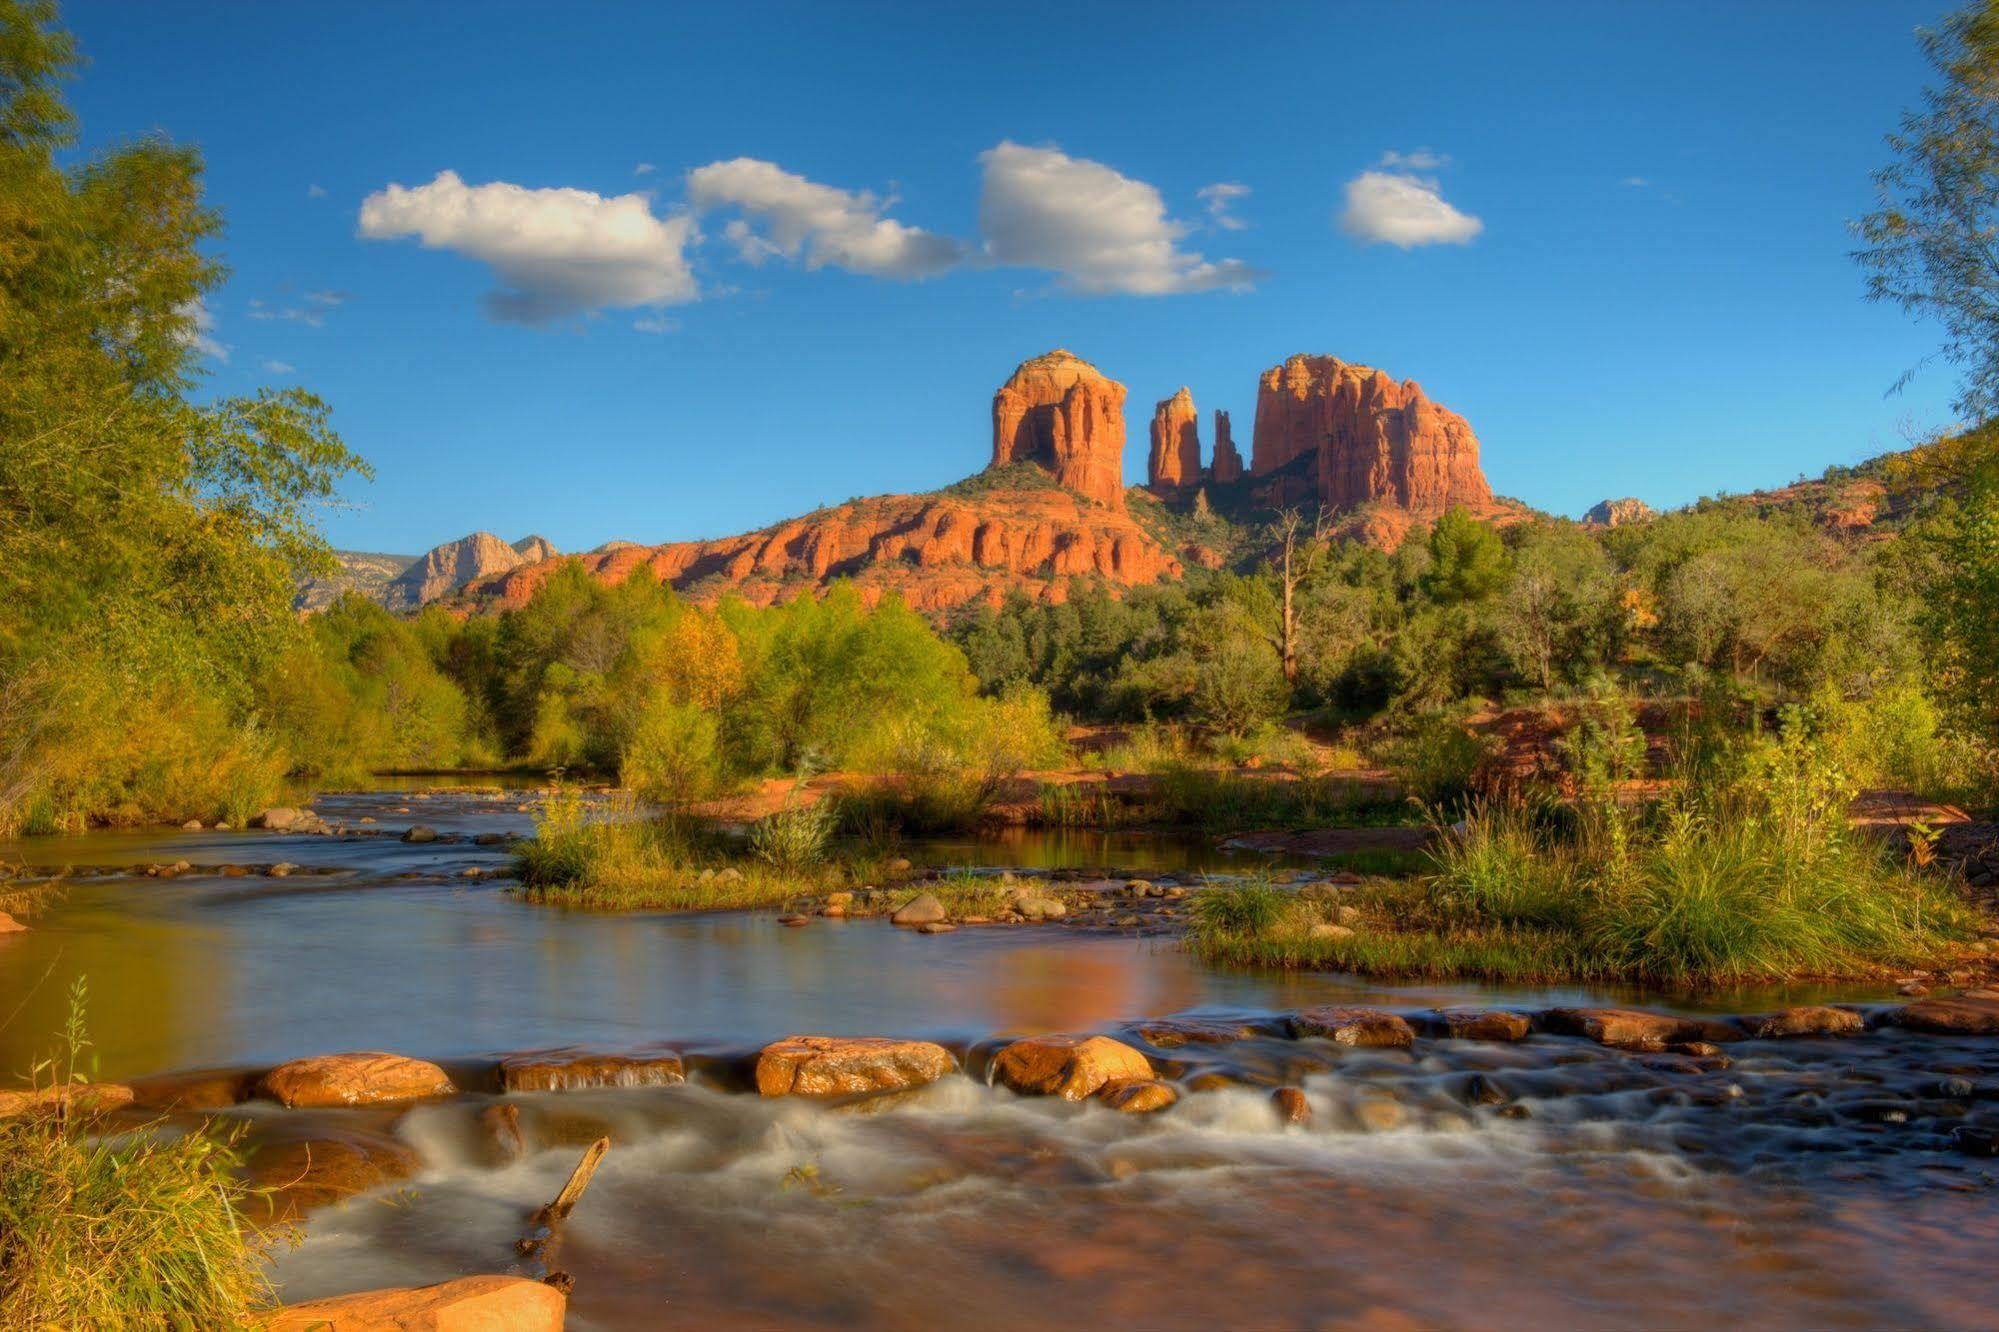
(1220, 198)
(1394, 205)
(556, 252)
(829, 227)
(1102, 232)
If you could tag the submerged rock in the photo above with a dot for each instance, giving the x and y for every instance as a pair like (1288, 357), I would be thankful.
(286, 818)
(848, 1065)
(365, 1077)
(1072, 1067)
(1362, 1028)
(469, 1304)
(575, 1070)
(295, 1175)
(1291, 1105)
(420, 833)
(1482, 1024)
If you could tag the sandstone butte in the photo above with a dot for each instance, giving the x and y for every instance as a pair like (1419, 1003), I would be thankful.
(974, 543)
(1060, 411)
(1366, 439)
(444, 569)
(1175, 460)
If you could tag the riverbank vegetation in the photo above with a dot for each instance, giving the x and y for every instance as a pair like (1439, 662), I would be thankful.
(1747, 870)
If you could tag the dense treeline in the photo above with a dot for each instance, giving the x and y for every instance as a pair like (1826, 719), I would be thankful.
(1771, 609)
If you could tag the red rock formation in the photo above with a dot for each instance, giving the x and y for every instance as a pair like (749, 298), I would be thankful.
(1617, 512)
(1227, 467)
(1059, 411)
(1371, 439)
(1176, 444)
(938, 551)
(444, 569)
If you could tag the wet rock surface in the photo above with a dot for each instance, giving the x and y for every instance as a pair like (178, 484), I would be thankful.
(848, 1065)
(1071, 1067)
(361, 1078)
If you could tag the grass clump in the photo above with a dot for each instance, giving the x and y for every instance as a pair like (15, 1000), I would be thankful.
(622, 860)
(136, 1229)
(1217, 801)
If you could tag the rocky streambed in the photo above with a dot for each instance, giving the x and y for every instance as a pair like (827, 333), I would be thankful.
(853, 1124)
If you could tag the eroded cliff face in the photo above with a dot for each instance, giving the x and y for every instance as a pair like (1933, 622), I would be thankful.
(442, 570)
(1175, 460)
(1370, 440)
(1059, 411)
(1227, 466)
(938, 551)
(1617, 512)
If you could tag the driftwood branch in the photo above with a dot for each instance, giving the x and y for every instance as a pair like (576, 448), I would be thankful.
(545, 1233)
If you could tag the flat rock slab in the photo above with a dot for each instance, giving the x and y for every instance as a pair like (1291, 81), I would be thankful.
(1072, 1067)
(576, 1070)
(87, 1097)
(848, 1065)
(367, 1077)
(469, 1304)
(1624, 1028)
(297, 1174)
(1361, 1028)
(1173, 1033)
(1806, 1020)
(1966, 1015)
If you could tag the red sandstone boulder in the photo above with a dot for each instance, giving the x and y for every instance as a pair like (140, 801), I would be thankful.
(572, 1070)
(294, 1174)
(1138, 1096)
(469, 1304)
(1060, 411)
(1483, 1024)
(848, 1065)
(1072, 1067)
(1966, 1015)
(1362, 1028)
(1806, 1020)
(1175, 460)
(1625, 1028)
(1291, 1105)
(362, 1078)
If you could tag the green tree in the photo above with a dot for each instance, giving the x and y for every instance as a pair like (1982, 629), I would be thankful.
(1467, 560)
(148, 544)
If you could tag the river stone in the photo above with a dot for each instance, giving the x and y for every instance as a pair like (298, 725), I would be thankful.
(1172, 1033)
(921, 910)
(1362, 1028)
(420, 833)
(1379, 1113)
(1483, 1024)
(1138, 1096)
(1622, 1028)
(1072, 1067)
(1291, 1105)
(363, 1077)
(1805, 1020)
(468, 1304)
(8, 925)
(501, 1125)
(285, 818)
(1033, 906)
(575, 1070)
(84, 1097)
(936, 927)
(199, 1089)
(848, 1065)
(1966, 1015)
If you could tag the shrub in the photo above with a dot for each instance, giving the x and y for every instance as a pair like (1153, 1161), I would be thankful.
(793, 838)
(1438, 762)
(674, 754)
(1251, 906)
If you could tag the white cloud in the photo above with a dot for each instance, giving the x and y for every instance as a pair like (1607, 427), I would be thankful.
(1103, 232)
(315, 192)
(655, 324)
(198, 330)
(1420, 160)
(312, 313)
(644, 169)
(1635, 182)
(279, 367)
(1220, 197)
(1399, 207)
(828, 226)
(556, 252)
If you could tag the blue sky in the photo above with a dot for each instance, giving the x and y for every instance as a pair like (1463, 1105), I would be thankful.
(1612, 236)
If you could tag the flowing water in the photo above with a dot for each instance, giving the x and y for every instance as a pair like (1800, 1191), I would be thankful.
(1461, 1184)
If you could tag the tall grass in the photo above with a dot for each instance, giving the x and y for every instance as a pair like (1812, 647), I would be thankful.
(1212, 801)
(136, 1229)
